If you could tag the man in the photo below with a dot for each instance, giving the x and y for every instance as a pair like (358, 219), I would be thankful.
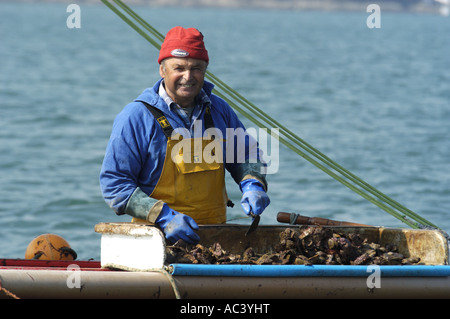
(168, 151)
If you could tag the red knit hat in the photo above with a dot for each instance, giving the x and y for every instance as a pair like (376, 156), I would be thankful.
(183, 43)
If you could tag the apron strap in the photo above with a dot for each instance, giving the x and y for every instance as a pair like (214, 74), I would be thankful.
(164, 123)
(208, 118)
(161, 118)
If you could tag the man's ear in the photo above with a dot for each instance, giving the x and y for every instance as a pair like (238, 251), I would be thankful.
(161, 70)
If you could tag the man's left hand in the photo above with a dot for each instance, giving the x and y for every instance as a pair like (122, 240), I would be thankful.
(254, 197)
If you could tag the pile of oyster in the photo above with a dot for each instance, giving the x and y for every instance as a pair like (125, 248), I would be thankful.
(306, 245)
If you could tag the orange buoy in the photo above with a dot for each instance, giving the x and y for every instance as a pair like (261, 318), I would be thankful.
(50, 247)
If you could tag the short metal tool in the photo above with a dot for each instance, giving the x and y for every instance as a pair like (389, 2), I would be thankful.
(254, 224)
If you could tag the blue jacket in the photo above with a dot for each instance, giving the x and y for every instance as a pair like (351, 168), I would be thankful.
(137, 147)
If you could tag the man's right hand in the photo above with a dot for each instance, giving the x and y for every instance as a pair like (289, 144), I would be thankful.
(177, 226)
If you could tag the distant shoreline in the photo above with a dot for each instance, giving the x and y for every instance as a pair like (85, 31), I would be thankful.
(316, 5)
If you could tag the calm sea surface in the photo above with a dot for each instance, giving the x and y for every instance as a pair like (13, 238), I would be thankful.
(377, 101)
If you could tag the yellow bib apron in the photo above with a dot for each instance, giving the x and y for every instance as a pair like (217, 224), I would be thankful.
(192, 180)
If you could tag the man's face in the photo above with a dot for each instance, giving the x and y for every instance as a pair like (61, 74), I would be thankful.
(183, 79)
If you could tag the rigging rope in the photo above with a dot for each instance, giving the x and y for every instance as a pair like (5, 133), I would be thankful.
(284, 135)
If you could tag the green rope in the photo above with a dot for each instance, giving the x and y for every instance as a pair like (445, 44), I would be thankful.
(133, 25)
(285, 136)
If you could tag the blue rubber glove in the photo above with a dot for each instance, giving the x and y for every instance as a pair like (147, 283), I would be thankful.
(177, 226)
(254, 197)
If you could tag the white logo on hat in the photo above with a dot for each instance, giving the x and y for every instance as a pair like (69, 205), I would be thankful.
(179, 53)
